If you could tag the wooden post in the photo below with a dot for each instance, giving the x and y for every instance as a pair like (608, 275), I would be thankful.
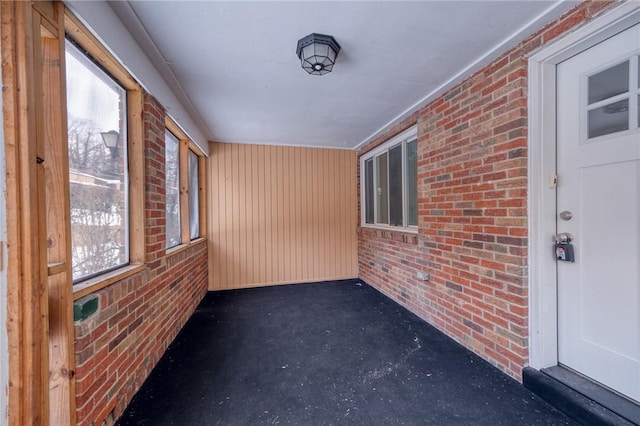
(27, 290)
(40, 310)
(53, 137)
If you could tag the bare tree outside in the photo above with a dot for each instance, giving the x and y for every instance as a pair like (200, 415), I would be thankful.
(172, 185)
(97, 173)
(97, 204)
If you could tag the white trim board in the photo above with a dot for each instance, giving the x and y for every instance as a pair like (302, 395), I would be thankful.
(543, 332)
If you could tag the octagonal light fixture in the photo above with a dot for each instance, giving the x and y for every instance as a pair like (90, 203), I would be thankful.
(318, 53)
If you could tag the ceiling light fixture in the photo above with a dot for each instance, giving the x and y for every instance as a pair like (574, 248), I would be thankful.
(317, 53)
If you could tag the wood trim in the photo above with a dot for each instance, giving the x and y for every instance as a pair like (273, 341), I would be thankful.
(26, 269)
(81, 35)
(41, 206)
(105, 280)
(49, 12)
(184, 247)
(187, 145)
(135, 149)
(57, 268)
(175, 129)
(39, 295)
(202, 195)
(212, 220)
(135, 129)
(184, 191)
(196, 149)
(58, 225)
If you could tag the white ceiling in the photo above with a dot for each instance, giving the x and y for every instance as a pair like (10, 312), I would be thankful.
(233, 65)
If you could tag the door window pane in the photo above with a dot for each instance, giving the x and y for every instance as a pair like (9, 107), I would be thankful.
(382, 189)
(609, 119)
(369, 191)
(194, 204)
(610, 82)
(412, 183)
(172, 179)
(395, 185)
(98, 175)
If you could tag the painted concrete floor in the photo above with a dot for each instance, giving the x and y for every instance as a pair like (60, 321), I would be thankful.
(334, 353)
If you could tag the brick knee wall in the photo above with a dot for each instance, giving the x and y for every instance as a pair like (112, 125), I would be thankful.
(138, 317)
(472, 208)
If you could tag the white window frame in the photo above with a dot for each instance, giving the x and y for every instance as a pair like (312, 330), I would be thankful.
(403, 138)
(631, 95)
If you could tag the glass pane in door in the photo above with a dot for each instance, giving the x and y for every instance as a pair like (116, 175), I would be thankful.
(608, 83)
(609, 119)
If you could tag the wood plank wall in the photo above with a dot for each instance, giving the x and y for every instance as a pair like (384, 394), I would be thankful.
(280, 215)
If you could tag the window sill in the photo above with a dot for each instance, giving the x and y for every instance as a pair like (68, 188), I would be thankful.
(182, 247)
(98, 283)
(409, 236)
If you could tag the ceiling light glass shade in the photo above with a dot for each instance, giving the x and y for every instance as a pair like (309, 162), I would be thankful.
(317, 53)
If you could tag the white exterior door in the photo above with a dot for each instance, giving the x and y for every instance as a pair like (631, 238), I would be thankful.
(598, 202)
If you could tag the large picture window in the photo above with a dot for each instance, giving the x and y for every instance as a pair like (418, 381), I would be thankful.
(98, 172)
(389, 183)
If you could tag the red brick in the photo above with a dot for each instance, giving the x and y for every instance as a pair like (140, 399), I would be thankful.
(142, 325)
(472, 150)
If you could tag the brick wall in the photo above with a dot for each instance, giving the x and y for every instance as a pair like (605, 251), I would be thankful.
(472, 195)
(118, 346)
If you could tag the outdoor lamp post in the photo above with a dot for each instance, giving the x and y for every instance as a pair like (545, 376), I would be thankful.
(111, 140)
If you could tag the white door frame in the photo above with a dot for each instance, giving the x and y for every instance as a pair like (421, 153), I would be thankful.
(543, 304)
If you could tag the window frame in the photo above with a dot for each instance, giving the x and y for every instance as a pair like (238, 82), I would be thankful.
(198, 195)
(186, 146)
(407, 136)
(98, 72)
(632, 95)
(80, 36)
(178, 164)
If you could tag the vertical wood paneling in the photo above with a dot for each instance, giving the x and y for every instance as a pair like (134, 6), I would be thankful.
(280, 215)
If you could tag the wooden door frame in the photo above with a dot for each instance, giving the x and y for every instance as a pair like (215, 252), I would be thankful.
(543, 303)
(32, 37)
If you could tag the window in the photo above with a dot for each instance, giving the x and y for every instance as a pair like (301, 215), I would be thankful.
(172, 182)
(98, 172)
(194, 196)
(183, 186)
(389, 183)
(610, 96)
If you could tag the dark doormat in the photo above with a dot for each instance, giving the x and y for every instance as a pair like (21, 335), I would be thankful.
(332, 353)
